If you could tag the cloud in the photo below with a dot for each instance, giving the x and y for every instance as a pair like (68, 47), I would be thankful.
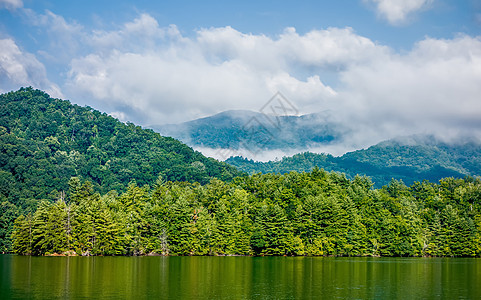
(142, 33)
(155, 75)
(157, 72)
(18, 68)
(11, 4)
(148, 74)
(433, 89)
(63, 39)
(320, 48)
(397, 12)
(160, 75)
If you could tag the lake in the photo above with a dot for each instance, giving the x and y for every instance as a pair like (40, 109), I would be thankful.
(238, 278)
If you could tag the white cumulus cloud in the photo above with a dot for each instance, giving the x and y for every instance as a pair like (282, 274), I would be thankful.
(397, 12)
(433, 89)
(19, 68)
(217, 69)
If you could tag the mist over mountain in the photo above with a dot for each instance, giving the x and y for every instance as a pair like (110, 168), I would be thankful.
(248, 131)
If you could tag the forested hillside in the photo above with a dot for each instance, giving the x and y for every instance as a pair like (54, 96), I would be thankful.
(44, 142)
(316, 213)
(408, 159)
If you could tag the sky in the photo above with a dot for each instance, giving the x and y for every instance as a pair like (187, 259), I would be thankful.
(382, 68)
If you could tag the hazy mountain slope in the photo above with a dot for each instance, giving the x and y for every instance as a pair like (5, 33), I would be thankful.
(422, 153)
(246, 129)
(409, 159)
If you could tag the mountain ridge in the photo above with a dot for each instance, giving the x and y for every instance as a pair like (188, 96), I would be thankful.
(238, 129)
(427, 159)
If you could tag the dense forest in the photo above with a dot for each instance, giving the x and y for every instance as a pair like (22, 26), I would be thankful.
(44, 142)
(317, 213)
(410, 159)
(74, 181)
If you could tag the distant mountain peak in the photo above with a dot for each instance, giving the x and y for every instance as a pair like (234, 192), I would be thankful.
(254, 130)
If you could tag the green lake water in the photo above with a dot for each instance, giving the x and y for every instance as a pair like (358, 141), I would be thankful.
(24, 277)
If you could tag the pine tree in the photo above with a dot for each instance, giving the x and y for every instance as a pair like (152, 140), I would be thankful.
(22, 235)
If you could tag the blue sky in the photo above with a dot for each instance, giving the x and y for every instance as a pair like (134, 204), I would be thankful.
(381, 67)
(439, 19)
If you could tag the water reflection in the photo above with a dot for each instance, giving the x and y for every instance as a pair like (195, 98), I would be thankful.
(237, 278)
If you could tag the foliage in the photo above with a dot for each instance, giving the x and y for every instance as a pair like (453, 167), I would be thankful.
(424, 158)
(45, 142)
(316, 213)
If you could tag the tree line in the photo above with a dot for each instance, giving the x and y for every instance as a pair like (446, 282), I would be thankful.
(317, 213)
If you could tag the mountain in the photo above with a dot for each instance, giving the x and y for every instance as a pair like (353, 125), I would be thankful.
(237, 129)
(44, 142)
(410, 159)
